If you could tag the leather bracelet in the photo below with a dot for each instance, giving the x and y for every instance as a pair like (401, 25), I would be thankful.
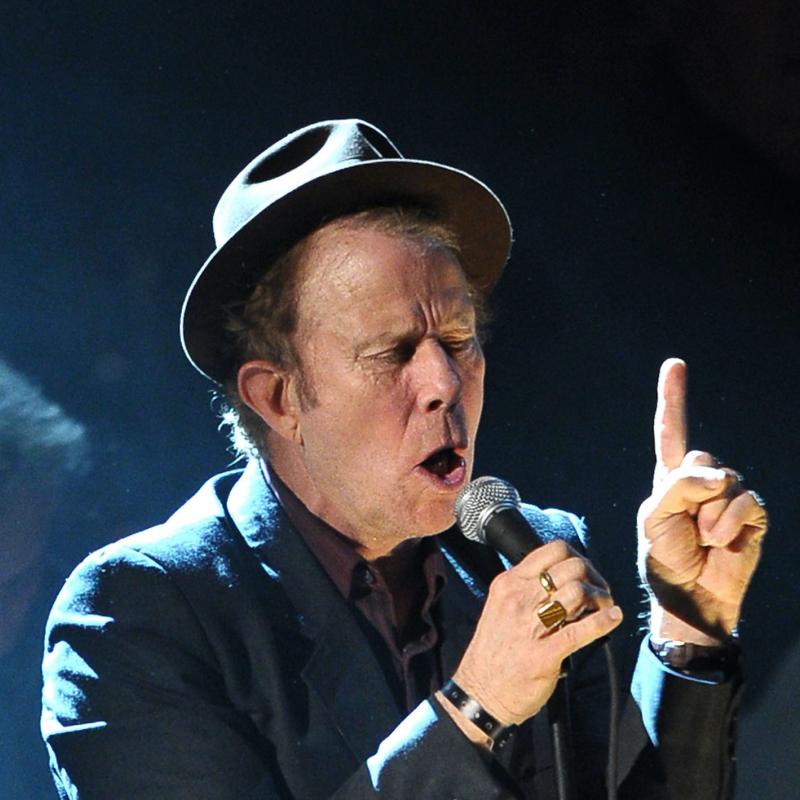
(469, 707)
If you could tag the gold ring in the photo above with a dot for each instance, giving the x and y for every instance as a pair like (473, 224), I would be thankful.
(552, 614)
(548, 584)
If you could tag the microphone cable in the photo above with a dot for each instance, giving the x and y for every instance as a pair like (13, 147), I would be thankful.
(488, 510)
(613, 722)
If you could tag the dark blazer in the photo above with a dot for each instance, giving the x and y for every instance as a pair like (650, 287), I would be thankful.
(212, 657)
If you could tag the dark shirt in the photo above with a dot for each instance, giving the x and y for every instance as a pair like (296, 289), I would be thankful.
(412, 643)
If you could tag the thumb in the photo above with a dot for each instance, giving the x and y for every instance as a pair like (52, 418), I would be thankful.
(685, 488)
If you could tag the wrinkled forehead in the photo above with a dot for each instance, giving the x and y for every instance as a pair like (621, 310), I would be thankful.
(347, 267)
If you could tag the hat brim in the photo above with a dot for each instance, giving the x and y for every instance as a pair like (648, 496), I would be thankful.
(228, 276)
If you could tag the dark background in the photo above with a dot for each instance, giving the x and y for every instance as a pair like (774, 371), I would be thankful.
(649, 157)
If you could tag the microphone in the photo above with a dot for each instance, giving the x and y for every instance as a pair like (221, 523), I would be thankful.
(488, 511)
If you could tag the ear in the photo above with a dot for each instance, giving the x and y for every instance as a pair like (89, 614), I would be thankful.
(270, 391)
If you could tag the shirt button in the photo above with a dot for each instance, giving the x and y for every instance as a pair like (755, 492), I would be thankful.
(365, 575)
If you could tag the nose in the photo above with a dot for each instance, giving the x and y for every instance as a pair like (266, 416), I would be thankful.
(439, 383)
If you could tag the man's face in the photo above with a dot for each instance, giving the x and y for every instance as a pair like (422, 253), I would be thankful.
(387, 342)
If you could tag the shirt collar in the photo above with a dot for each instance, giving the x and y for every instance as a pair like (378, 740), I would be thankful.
(338, 555)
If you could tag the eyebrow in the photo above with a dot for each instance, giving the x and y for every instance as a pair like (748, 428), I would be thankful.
(461, 322)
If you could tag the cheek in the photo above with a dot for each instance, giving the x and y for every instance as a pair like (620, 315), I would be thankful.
(355, 435)
(473, 394)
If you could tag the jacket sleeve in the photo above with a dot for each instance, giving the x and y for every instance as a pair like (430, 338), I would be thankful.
(680, 734)
(677, 735)
(135, 706)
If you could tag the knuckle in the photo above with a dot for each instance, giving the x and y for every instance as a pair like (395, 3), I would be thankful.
(574, 595)
(604, 599)
(757, 510)
(560, 549)
(572, 635)
(745, 510)
(576, 567)
(501, 587)
(735, 481)
(760, 518)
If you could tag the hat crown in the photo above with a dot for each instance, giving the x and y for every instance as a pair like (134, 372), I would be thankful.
(313, 175)
(294, 161)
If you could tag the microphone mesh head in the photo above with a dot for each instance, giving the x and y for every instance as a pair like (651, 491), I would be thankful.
(476, 498)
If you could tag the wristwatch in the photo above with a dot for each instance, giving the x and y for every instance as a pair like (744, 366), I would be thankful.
(698, 659)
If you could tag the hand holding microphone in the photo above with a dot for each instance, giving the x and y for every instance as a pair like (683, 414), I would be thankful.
(513, 662)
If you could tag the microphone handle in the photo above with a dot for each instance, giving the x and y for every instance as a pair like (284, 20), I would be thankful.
(511, 535)
(508, 532)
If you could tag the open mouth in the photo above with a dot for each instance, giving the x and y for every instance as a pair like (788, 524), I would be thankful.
(446, 465)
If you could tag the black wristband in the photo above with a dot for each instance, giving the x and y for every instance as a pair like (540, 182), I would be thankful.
(469, 707)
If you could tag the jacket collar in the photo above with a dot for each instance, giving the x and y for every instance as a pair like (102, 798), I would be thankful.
(342, 669)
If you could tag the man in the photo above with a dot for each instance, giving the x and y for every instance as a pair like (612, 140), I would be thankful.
(297, 629)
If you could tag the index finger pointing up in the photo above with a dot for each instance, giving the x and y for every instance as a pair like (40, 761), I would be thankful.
(669, 426)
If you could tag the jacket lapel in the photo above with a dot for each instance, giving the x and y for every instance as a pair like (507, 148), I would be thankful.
(341, 668)
(341, 671)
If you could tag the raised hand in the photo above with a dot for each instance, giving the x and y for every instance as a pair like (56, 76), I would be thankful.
(700, 531)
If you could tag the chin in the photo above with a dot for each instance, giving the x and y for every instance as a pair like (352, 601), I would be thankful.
(437, 522)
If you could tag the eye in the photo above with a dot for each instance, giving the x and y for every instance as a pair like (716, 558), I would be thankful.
(404, 351)
(459, 345)
(400, 353)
